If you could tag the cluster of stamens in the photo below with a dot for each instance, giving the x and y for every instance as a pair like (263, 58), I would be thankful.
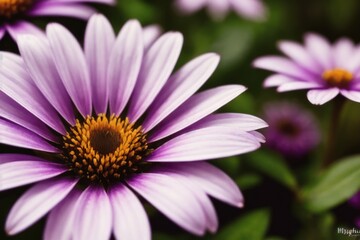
(10, 8)
(337, 77)
(104, 148)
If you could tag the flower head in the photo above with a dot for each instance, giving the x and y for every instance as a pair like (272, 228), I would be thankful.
(292, 130)
(14, 13)
(251, 9)
(327, 70)
(110, 121)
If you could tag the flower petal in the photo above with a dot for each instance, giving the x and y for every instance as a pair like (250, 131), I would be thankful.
(130, 221)
(251, 9)
(297, 85)
(321, 96)
(60, 223)
(36, 202)
(124, 65)
(18, 85)
(22, 27)
(320, 49)
(180, 87)
(150, 34)
(99, 42)
(276, 80)
(205, 144)
(10, 157)
(196, 108)
(212, 180)
(18, 173)
(351, 94)
(40, 65)
(343, 51)
(157, 66)
(12, 111)
(71, 65)
(93, 220)
(14, 135)
(52, 8)
(173, 199)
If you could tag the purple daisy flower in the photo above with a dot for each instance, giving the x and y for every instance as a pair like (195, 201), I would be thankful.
(292, 130)
(14, 14)
(110, 122)
(251, 9)
(325, 69)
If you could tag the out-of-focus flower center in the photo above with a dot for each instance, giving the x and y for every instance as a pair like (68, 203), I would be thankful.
(337, 77)
(288, 128)
(10, 8)
(104, 148)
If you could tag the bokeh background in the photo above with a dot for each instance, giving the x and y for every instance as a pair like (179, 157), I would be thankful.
(275, 188)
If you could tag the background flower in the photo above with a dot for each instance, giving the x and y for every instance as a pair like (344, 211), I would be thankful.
(137, 128)
(326, 69)
(15, 14)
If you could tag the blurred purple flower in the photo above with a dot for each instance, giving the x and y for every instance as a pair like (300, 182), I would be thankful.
(251, 9)
(292, 130)
(136, 128)
(14, 14)
(325, 69)
(355, 202)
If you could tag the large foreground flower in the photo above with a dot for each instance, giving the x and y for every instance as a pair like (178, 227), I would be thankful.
(110, 122)
(14, 14)
(325, 69)
(292, 131)
(251, 9)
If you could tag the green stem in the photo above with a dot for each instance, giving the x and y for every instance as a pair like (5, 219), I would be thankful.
(332, 131)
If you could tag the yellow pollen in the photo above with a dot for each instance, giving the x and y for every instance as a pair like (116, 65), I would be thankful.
(104, 148)
(9, 8)
(337, 77)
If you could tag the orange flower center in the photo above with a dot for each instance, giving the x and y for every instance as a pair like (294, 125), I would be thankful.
(337, 77)
(10, 8)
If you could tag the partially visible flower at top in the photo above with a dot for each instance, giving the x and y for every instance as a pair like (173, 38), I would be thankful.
(292, 131)
(327, 70)
(109, 121)
(355, 202)
(250, 9)
(15, 14)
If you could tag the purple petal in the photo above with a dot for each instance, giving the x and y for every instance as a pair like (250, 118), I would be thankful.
(21, 27)
(18, 173)
(5, 158)
(321, 96)
(180, 87)
(276, 80)
(99, 42)
(343, 51)
(124, 65)
(284, 66)
(238, 121)
(189, 6)
(300, 55)
(351, 94)
(36, 202)
(40, 65)
(196, 108)
(93, 220)
(14, 135)
(259, 136)
(12, 111)
(71, 65)
(129, 217)
(52, 8)
(18, 85)
(173, 199)
(2, 32)
(211, 180)
(297, 85)
(203, 144)
(320, 49)
(60, 223)
(158, 64)
(353, 63)
(251, 9)
(150, 34)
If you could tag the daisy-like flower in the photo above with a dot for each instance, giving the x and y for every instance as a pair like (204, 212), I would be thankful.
(109, 122)
(292, 131)
(327, 70)
(14, 14)
(250, 9)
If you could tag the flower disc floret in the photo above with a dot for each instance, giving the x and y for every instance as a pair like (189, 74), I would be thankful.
(11, 8)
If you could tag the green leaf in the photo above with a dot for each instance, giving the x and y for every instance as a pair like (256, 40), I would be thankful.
(252, 226)
(249, 180)
(337, 184)
(273, 165)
